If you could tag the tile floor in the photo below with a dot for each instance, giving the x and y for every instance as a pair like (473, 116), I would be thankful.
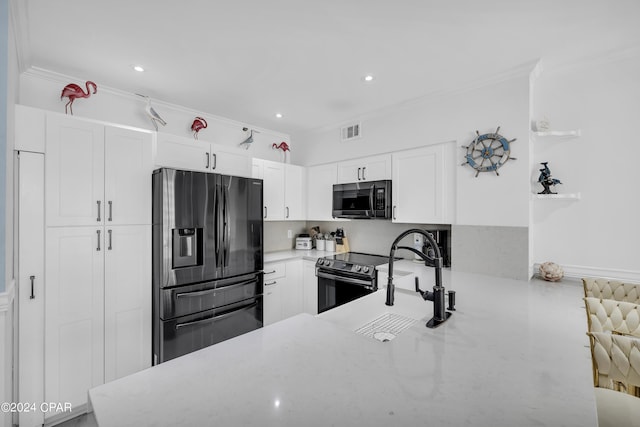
(86, 420)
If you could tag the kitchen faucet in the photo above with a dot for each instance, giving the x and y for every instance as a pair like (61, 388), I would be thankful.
(437, 296)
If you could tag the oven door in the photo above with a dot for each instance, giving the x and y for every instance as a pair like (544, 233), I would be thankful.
(335, 290)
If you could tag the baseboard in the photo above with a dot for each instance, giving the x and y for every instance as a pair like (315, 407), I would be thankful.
(579, 271)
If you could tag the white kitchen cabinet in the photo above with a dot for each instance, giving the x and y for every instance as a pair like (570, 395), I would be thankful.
(29, 129)
(127, 300)
(274, 276)
(320, 181)
(272, 173)
(74, 171)
(98, 308)
(127, 166)
(310, 287)
(372, 168)
(30, 284)
(292, 291)
(96, 174)
(295, 206)
(423, 184)
(190, 154)
(283, 290)
(283, 191)
(74, 307)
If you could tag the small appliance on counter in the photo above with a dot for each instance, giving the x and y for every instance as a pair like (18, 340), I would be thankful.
(304, 242)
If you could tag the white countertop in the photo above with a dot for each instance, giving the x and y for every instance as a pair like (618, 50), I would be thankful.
(513, 354)
(311, 255)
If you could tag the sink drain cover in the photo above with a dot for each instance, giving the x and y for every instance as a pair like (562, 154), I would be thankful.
(386, 327)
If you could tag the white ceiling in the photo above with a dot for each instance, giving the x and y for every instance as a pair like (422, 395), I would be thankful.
(248, 59)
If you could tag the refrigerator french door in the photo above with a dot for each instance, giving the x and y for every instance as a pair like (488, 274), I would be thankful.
(207, 260)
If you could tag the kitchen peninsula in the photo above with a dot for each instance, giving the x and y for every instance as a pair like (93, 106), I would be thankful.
(514, 353)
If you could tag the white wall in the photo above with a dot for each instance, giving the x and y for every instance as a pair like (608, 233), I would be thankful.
(486, 200)
(597, 235)
(41, 89)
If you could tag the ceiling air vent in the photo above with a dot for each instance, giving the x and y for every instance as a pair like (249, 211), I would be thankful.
(350, 132)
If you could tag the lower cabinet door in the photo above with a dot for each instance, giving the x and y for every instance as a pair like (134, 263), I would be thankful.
(127, 300)
(272, 302)
(74, 314)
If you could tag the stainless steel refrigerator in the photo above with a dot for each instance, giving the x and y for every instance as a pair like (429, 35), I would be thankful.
(207, 260)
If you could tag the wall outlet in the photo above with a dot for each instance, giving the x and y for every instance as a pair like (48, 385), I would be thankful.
(290, 234)
(418, 242)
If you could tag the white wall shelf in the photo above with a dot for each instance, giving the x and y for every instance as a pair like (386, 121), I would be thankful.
(560, 196)
(558, 134)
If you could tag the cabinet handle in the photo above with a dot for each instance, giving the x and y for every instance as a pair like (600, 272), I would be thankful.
(215, 161)
(269, 272)
(271, 283)
(363, 178)
(359, 173)
(33, 295)
(207, 154)
(287, 207)
(394, 212)
(265, 211)
(98, 233)
(110, 247)
(110, 211)
(99, 209)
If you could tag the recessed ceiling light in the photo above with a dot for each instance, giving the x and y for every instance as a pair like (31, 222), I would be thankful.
(278, 115)
(138, 68)
(368, 78)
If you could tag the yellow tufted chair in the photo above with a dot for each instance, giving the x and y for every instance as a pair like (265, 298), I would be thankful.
(611, 289)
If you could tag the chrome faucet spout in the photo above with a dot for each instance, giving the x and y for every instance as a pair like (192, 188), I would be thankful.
(440, 315)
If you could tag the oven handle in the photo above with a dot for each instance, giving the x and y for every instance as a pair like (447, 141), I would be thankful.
(208, 291)
(214, 317)
(365, 283)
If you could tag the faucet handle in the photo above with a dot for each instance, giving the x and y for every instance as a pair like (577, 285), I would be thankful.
(426, 295)
(452, 301)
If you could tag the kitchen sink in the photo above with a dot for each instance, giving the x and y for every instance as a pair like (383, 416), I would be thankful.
(386, 327)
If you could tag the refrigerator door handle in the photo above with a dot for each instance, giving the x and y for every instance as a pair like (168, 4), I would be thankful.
(216, 220)
(225, 218)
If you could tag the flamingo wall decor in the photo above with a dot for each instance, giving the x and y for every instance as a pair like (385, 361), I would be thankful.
(282, 146)
(198, 124)
(73, 91)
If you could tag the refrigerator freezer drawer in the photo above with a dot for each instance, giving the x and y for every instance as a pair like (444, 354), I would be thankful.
(185, 334)
(191, 299)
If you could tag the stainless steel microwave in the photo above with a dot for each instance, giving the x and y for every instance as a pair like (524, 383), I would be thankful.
(362, 200)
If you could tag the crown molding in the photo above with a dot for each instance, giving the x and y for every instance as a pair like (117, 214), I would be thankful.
(522, 70)
(63, 79)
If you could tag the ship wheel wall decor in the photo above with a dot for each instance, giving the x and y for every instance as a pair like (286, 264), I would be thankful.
(488, 152)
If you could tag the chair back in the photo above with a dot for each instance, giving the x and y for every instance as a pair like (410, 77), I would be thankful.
(616, 358)
(618, 317)
(611, 289)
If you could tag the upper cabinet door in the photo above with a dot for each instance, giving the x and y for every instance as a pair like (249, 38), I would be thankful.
(320, 180)
(128, 168)
(74, 172)
(422, 185)
(230, 161)
(294, 193)
(182, 153)
(373, 168)
(273, 191)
